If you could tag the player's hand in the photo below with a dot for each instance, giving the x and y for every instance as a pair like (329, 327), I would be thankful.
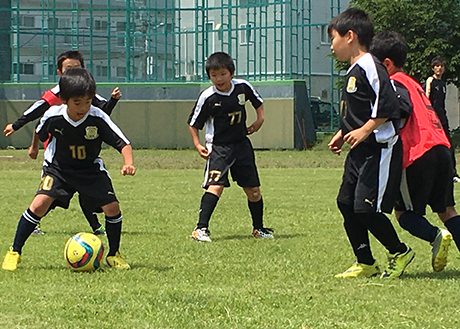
(128, 170)
(116, 93)
(354, 137)
(8, 129)
(202, 151)
(255, 127)
(33, 152)
(336, 143)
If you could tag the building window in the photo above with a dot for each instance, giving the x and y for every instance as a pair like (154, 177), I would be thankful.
(24, 68)
(26, 21)
(121, 29)
(102, 25)
(121, 72)
(211, 35)
(101, 70)
(324, 35)
(246, 35)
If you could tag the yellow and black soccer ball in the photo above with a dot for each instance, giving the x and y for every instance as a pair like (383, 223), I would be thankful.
(83, 252)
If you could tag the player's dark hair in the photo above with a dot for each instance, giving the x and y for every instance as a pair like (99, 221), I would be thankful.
(438, 60)
(76, 82)
(356, 20)
(219, 60)
(389, 44)
(75, 54)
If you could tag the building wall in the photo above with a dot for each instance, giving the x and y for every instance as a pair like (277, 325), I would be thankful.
(155, 115)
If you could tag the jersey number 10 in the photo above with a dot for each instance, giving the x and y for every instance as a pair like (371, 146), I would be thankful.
(78, 152)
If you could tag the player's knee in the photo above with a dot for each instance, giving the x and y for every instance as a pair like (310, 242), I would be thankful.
(111, 209)
(450, 212)
(253, 194)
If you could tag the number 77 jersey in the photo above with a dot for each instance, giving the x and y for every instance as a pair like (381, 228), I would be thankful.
(76, 145)
(224, 114)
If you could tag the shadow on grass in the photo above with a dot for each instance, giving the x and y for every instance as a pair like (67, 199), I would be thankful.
(246, 237)
(102, 269)
(443, 275)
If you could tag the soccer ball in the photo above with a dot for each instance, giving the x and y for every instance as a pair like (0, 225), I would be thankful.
(83, 252)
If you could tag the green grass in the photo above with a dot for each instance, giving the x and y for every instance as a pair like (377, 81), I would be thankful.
(234, 282)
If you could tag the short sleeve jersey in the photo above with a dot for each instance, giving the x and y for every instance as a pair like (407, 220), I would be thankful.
(76, 145)
(438, 98)
(367, 93)
(224, 114)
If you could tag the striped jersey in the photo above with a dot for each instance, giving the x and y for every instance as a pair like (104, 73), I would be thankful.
(368, 94)
(224, 114)
(50, 98)
(76, 145)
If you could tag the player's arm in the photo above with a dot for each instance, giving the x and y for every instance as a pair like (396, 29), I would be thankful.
(107, 106)
(128, 166)
(33, 148)
(428, 86)
(356, 136)
(35, 111)
(202, 150)
(259, 120)
(336, 143)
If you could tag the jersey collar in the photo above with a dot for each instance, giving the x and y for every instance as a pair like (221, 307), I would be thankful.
(69, 120)
(227, 93)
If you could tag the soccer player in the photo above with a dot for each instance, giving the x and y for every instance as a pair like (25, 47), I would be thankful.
(66, 60)
(435, 89)
(221, 108)
(427, 175)
(369, 124)
(76, 130)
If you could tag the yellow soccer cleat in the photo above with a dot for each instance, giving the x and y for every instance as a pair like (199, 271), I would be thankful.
(439, 251)
(360, 270)
(11, 260)
(118, 261)
(397, 263)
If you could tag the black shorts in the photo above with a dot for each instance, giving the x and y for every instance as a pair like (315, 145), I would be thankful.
(428, 181)
(371, 177)
(92, 183)
(238, 158)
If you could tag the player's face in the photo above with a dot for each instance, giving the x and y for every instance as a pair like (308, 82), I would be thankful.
(339, 46)
(439, 69)
(77, 107)
(69, 63)
(221, 79)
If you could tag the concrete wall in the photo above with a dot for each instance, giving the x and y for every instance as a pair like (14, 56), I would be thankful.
(155, 115)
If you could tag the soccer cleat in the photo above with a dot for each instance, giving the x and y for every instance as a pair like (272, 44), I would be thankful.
(456, 179)
(360, 270)
(100, 230)
(264, 233)
(38, 230)
(11, 260)
(397, 263)
(201, 234)
(439, 251)
(118, 261)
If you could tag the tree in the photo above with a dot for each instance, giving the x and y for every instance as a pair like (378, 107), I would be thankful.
(431, 27)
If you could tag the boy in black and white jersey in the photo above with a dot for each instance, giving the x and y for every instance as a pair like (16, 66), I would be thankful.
(76, 130)
(221, 108)
(66, 60)
(369, 124)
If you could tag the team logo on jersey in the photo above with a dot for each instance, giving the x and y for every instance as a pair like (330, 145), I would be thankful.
(351, 86)
(91, 132)
(241, 99)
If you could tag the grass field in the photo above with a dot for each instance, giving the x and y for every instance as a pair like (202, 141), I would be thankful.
(234, 282)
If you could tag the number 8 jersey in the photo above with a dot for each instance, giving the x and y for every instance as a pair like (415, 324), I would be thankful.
(76, 145)
(224, 113)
